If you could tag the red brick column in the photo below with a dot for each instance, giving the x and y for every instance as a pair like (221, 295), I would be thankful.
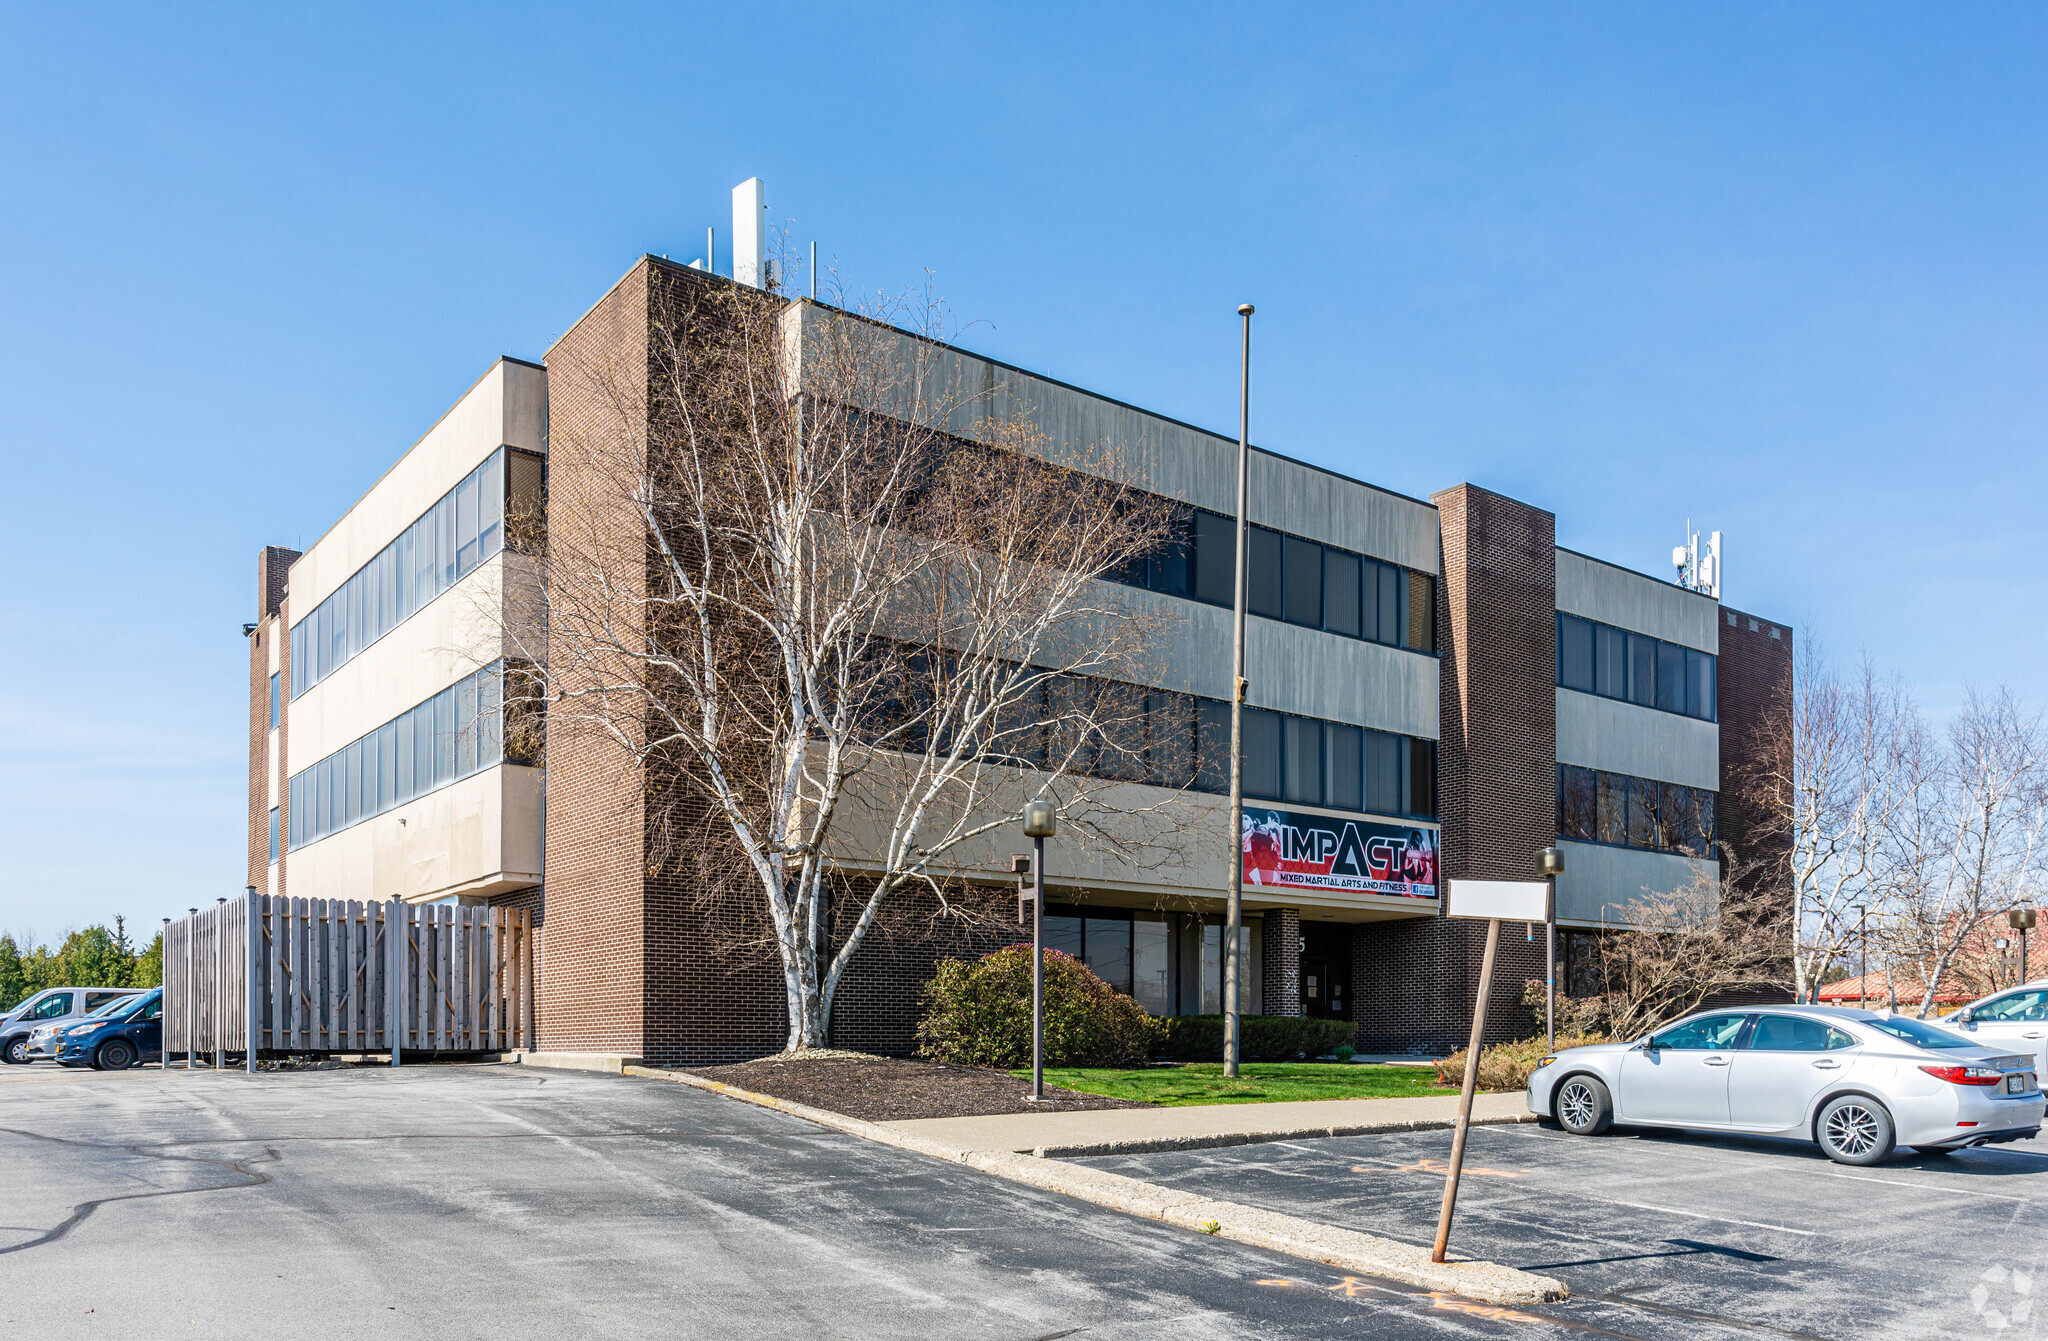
(1281, 962)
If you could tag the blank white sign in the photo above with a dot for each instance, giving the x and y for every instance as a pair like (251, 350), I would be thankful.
(1509, 900)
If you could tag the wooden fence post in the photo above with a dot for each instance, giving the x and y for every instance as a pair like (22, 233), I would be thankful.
(252, 937)
(394, 947)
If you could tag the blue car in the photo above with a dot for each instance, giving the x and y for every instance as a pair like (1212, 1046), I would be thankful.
(123, 1034)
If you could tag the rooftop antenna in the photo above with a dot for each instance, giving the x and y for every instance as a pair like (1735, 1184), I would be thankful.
(1696, 571)
(814, 271)
(750, 233)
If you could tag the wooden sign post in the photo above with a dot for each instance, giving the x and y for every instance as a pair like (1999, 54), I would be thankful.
(1492, 900)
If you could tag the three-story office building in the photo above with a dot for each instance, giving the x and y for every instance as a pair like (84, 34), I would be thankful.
(1436, 691)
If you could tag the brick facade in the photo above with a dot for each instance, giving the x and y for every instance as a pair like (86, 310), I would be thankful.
(1413, 981)
(651, 945)
(1280, 962)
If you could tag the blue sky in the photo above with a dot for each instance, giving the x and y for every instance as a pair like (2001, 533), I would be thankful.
(1781, 271)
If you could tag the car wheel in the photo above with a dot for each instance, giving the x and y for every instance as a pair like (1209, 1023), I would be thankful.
(1584, 1107)
(116, 1054)
(15, 1053)
(1855, 1130)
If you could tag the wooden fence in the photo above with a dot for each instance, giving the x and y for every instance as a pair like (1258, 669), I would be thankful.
(328, 975)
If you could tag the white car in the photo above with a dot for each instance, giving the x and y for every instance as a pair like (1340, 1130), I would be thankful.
(1859, 1082)
(2016, 1020)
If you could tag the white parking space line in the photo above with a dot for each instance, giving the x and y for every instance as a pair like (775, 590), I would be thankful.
(1942, 1188)
(1696, 1215)
(1756, 1161)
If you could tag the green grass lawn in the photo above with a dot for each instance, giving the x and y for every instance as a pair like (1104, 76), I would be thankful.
(1258, 1083)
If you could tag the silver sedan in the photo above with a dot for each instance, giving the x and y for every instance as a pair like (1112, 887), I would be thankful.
(1859, 1082)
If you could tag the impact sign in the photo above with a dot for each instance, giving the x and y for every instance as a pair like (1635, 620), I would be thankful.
(1287, 850)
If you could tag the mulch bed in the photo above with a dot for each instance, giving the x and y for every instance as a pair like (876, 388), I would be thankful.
(890, 1089)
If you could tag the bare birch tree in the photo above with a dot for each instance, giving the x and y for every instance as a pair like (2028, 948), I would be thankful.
(1830, 810)
(1968, 843)
(841, 620)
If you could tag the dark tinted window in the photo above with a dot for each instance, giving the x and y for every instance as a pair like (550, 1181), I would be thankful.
(1575, 653)
(1212, 724)
(1302, 754)
(1389, 604)
(1063, 933)
(1642, 670)
(1264, 594)
(1382, 773)
(1261, 752)
(1699, 685)
(1172, 569)
(1421, 796)
(1610, 661)
(1346, 785)
(1611, 808)
(1577, 807)
(1302, 567)
(1642, 813)
(1670, 677)
(1215, 575)
(1340, 592)
(1106, 947)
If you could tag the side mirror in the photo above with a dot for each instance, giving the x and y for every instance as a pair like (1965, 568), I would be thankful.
(1967, 1016)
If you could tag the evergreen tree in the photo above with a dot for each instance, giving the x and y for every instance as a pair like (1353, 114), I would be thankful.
(149, 968)
(93, 958)
(13, 976)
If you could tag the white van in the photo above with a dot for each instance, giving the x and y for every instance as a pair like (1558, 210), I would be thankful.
(50, 1005)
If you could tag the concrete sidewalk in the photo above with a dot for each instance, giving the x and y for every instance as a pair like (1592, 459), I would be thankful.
(1116, 1131)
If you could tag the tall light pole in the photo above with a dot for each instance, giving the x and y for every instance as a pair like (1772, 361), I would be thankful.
(1550, 865)
(1234, 912)
(1040, 823)
(2022, 921)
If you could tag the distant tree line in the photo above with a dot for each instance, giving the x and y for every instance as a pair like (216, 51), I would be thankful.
(94, 957)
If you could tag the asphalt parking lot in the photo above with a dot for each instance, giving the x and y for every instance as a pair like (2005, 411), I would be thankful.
(504, 1202)
(1684, 1235)
(499, 1202)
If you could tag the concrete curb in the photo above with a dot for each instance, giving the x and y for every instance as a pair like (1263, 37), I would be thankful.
(575, 1061)
(1348, 1250)
(1255, 1137)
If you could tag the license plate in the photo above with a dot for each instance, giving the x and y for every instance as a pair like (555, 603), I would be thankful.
(2019, 1082)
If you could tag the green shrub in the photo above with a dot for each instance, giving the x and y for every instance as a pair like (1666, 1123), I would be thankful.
(979, 1014)
(1506, 1066)
(1262, 1038)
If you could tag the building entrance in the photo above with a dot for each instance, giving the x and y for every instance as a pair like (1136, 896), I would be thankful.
(1326, 972)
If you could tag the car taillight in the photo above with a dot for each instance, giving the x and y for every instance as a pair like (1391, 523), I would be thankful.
(1965, 1075)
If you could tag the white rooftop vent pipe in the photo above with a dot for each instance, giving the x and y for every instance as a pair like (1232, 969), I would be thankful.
(750, 233)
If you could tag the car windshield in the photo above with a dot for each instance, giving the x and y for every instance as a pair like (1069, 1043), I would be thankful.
(1919, 1032)
(114, 1007)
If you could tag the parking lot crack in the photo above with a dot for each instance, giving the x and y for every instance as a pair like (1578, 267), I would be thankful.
(83, 1211)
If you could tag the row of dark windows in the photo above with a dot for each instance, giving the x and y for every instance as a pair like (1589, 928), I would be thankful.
(1634, 667)
(1599, 807)
(1123, 732)
(1288, 578)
